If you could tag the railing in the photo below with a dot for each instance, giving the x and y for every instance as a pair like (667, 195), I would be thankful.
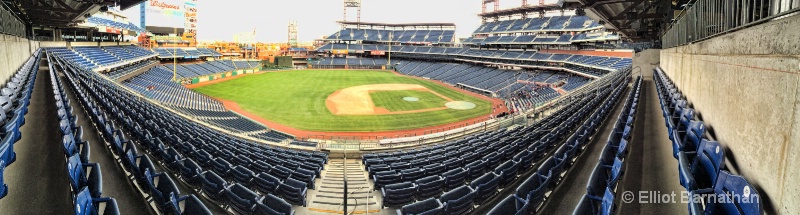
(10, 24)
(703, 19)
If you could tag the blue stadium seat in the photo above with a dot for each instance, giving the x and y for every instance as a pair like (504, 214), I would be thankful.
(533, 189)
(71, 147)
(396, 195)
(734, 196)
(454, 178)
(306, 176)
(475, 169)
(85, 204)
(272, 205)
(293, 191)
(459, 200)
(511, 205)
(507, 172)
(241, 199)
(191, 205)
(266, 183)
(160, 193)
(221, 167)
(429, 206)
(3, 186)
(242, 175)
(384, 178)
(525, 160)
(190, 172)
(590, 204)
(412, 174)
(86, 175)
(280, 172)
(213, 185)
(430, 186)
(485, 187)
(701, 173)
(260, 166)
(434, 169)
(7, 154)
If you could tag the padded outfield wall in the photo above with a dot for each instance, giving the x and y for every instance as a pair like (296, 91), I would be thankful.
(745, 85)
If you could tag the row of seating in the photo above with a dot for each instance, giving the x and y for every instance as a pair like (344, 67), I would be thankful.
(554, 23)
(186, 52)
(402, 36)
(481, 168)
(14, 100)
(602, 185)
(111, 23)
(534, 39)
(153, 128)
(86, 179)
(525, 98)
(206, 68)
(500, 56)
(701, 161)
(157, 84)
(128, 69)
(533, 191)
(351, 61)
(94, 57)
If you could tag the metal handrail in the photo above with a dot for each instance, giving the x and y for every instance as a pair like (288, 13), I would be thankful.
(706, 19)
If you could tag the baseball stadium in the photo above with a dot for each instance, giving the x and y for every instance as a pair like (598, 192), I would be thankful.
(425, 107)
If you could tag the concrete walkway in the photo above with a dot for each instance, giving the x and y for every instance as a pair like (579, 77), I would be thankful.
(38, 182)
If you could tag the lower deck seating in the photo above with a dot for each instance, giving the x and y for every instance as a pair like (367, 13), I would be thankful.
(488, 162)
(156, 84)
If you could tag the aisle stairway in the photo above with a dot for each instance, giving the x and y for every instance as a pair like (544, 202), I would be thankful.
(330, 191)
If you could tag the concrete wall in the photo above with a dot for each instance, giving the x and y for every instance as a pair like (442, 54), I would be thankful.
(15, 51)
(53, 44)
(645, 62)
(745, 86)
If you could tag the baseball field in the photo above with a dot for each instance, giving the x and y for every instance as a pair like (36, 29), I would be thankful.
(348, 100)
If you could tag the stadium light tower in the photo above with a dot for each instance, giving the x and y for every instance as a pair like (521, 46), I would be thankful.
(485, 10)
(293, 33)
(352, 4)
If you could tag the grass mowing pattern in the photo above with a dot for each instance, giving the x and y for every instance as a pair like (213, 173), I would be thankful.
(297, 99)
(393, 100)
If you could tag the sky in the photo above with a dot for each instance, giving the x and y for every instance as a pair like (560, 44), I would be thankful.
(219, 20)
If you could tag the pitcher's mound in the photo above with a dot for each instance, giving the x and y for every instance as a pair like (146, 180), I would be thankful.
(460, 105)
(411, 99)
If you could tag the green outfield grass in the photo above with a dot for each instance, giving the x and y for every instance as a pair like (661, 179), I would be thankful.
(297, 99)
(393, 100)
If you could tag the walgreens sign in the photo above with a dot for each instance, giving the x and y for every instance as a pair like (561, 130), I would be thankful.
(164, 5)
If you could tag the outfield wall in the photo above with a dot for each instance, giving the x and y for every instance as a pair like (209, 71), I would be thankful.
(745, 85)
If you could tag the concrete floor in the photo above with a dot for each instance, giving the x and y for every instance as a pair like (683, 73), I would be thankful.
(650, 164)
